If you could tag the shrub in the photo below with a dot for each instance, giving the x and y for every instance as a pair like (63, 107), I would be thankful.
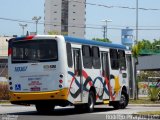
(4, 92)
(154, 93)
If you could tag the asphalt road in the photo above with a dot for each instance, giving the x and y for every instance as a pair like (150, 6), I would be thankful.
(69, 113)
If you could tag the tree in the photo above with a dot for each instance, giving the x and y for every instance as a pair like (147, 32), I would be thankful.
(57, 33)
(136, 49)
(53, 32)
(102, 40)
(150, 47)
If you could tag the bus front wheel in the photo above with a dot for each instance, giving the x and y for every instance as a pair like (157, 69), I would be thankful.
(123, 101)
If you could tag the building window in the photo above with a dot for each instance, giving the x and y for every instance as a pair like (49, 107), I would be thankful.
(96, 58)
(74, 19)
(87, 56)
(55, 11)
(114, 59)
(122, 60)
(69, 54)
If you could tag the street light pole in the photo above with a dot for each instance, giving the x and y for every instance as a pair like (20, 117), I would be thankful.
(137, 15)
(105, 28)
(23, 27)
(36, 19)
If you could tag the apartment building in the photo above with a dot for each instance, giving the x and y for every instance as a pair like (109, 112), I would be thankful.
(66, 17)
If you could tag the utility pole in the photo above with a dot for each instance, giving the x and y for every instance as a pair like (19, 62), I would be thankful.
(105, 28)
(23, 27)
(136, 59)
(36, 19)
(104, 32)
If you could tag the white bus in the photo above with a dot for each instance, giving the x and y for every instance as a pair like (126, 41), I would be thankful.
(54, 70)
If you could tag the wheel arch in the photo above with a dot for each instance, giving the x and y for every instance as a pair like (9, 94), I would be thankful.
(124, 89)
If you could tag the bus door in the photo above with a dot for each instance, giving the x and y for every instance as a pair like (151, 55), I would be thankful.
(105, 74)
(78, 74)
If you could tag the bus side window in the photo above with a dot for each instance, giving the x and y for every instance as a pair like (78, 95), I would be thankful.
(96, 58)
(114, 59)
(122, 60)
(69, 55)
(87, 56)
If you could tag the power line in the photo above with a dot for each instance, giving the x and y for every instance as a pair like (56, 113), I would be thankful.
(108, 6)
(31, 22)
(16, 20)
(88, 26)
(123, 26)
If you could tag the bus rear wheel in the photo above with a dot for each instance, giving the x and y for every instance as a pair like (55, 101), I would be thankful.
(123, 101)
(44, 108)
(91, 102)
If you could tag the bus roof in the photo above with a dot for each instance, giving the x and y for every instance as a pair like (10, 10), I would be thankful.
(78, 40)
(93, 42)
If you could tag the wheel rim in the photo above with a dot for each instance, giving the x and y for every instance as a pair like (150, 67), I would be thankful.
(123, 100)
(91, 103)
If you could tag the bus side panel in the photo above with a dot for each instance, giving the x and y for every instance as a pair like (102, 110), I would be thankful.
(93, 78)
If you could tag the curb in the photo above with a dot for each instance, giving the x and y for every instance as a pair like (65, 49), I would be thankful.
(3, 104)
(145, 105)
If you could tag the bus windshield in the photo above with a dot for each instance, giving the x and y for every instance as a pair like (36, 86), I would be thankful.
(34, 51)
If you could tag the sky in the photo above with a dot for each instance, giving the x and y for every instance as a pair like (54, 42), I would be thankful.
(121, 18)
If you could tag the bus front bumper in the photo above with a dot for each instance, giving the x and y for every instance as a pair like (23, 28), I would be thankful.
(31, 96)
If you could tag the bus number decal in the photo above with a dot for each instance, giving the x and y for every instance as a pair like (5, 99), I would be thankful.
(49, 67)
(21, 69)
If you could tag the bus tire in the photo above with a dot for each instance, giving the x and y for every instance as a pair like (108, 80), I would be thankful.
(91, 102)
(80, 108)
(46, 108)
(123, 101)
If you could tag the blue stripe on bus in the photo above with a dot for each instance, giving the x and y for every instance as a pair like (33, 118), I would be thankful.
(93, 42)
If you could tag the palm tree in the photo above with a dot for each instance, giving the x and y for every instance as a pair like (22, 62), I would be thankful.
(135, 52)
